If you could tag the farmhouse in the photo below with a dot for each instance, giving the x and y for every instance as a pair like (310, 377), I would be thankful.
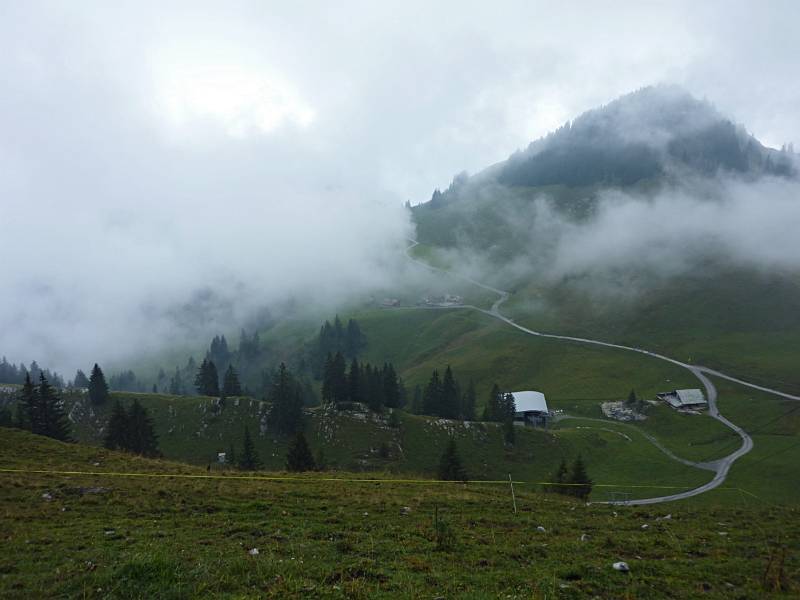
(684, 399)
(531, 409)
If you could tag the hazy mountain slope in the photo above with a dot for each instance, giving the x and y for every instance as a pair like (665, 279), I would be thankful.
(670, 170)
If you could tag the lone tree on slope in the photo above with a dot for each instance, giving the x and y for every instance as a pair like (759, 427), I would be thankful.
(581, 484)
(249, 460)
(299, 457)
(450, 467)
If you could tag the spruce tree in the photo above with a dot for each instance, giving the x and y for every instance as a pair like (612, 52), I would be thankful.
(327, 378)
(287, 402)
(391, 387)
(354, 382)
(141, 434)
(80, 381)
(207, 379)
(50, 418)
(582, 485)
(432, 397)
(98, 388)
(468, 403)
(354, 340)
(509, 433)
(117, 429)
(249, 460)
(299, 457)
(231, 385)
(631, 399)
(416, 401)
(176, 383)
(494, 407)
(449, 403)
(559, 476)
(339, 381)
(450, 467)
(26, 404)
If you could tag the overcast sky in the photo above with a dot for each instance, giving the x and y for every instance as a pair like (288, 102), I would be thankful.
(151, 148)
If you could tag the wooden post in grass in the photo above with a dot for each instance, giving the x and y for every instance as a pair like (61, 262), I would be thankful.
(513, 498)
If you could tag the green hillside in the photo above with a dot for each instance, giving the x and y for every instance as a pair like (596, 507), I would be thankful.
(96, 536)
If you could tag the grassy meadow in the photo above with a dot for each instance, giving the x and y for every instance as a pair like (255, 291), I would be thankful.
(95, 536)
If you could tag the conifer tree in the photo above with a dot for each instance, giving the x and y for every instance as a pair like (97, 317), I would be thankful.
(49, 417)
(432, 396)
(391, 387)
(582, 485)
(417, 406)
(176, 383)
(449, 403)
(80, 381)
(493, 411)
(340, 391)
(249, 461)
(354, 383)
(26, 404)
(287, 402)
(559, 476)
(327, 379)
(354, 340)
(299, 457)
(230, 457)
(631, 398)
(141, 434)
(468, 403)
(450, 467)
(231, 385)
(98, 388)
(117, 429)
(207, 379)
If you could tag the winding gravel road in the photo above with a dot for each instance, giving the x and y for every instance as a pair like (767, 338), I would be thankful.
(720, 467)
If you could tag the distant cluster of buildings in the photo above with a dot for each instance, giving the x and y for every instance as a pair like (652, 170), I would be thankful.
(446, 300)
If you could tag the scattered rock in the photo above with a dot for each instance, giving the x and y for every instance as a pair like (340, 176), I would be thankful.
(664, 518)
(621, 566)
(722, 532)
(541, 529)
(584, 537)
(405, 510)
(110, 532)
(366, 514)
(47, 496)
(253, 552)
(645, 526)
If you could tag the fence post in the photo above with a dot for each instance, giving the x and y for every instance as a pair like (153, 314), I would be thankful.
(513, 497)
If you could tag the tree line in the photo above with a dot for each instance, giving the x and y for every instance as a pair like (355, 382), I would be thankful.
(377, 387)
(16, 374)
(336, 338)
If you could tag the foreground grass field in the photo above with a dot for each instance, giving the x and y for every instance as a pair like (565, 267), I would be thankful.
(97, 536)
